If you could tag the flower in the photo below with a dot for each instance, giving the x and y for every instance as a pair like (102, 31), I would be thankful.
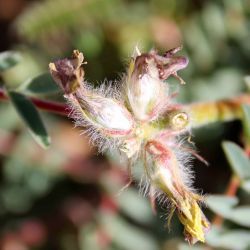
(144, 123)
(106, 114)
(167, 177)
(145, 91)
(68, 73)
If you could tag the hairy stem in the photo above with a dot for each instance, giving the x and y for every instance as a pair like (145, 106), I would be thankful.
(218, 111)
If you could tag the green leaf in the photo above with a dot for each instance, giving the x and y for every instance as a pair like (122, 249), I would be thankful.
(135, 206)
(237, 159)
(87, 237)
(221, 204)
(241, 215)
(233, 239)
(40, 85)
(225, 207)
(31, 117)
(8, 59)
(129, 236)
(246, 122)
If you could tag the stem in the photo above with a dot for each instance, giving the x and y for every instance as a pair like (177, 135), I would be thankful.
(50, 106)
(54, 107)
(201, 113)
(217, 111)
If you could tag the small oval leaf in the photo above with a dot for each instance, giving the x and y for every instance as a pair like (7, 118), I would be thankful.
(225, 207)
(40, 85)
(228, 239)
(31, 117)
(221, 204)
(129, 236)
(135, 206)
(241, 215)
(237, 159)
(8, 59)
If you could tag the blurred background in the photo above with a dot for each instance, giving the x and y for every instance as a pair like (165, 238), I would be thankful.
(67, 197)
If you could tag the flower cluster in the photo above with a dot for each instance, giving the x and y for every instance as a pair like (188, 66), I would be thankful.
(140, 118)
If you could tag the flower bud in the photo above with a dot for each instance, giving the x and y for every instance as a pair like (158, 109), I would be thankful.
(168, 178)
(67, 73)
(145, 91)
(105, 114)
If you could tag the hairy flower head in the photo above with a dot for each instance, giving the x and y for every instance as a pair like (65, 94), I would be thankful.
(144, 123)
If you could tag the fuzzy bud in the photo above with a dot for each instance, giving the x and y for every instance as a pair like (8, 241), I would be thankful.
(145, 91)
(105, 114)
(168, 178)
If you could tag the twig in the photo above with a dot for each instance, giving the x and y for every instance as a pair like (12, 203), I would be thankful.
(53, 107)
(204, 113)
(201, 113)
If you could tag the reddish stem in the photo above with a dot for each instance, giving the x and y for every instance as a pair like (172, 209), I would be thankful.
(54, 107)
(233, 186)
